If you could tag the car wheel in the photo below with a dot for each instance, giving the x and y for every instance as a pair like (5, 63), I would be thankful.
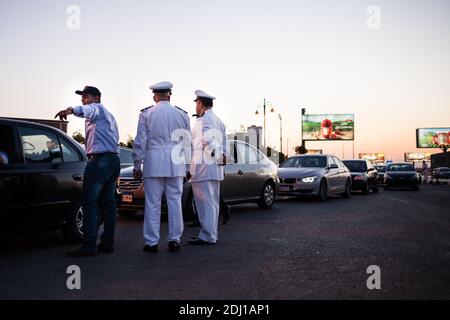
(375, 190)
(126, 213)
(190, 209)
(347, 191)
(73, 229)
(417, 188)
(323, 190)
(267, 196)
(386, 188)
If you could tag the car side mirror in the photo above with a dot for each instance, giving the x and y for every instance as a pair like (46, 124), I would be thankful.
(333, 166)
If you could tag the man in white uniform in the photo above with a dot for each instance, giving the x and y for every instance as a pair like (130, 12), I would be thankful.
(206, 169)
(165, 167)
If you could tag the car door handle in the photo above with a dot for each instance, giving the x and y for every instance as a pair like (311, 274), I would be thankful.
(77, 177)
(240, 172)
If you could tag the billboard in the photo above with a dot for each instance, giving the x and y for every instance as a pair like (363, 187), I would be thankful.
(314, 151)
(433, 137)
(326, 127)
(417, 156)
(373, 157)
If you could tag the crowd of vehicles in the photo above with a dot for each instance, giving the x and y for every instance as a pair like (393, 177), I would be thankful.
(41, 179)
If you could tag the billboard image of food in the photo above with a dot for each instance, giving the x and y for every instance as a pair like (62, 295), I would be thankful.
(328, 127)
(417, 156)
(373, 157)
(433, 137)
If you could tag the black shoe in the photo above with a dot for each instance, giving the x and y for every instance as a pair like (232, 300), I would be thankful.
(199, 242)
(81, 252)
(226, 215)
(174, 246)
(148, 248)
(105, 248)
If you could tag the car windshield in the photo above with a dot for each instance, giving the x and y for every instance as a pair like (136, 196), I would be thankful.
(400, 167)
(356, 166)
(125, 156)
(305, 162)
(381, 168)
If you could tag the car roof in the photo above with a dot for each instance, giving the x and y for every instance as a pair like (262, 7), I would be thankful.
(401, 163)
(310, 155)
(29, 123)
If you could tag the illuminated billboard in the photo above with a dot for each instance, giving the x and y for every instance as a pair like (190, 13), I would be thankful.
(326, 127)
(374, 157)
(417, 156)
(433, 137)
(314, 151)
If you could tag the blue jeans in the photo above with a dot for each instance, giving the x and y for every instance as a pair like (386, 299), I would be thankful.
(99, 184)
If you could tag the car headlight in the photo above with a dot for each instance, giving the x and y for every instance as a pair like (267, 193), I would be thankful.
(309, 179)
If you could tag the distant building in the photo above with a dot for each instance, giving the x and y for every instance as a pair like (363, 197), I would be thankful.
(253, 136)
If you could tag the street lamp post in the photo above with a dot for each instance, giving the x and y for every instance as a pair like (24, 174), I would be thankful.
(281, 133)
(264, 115)
(287, 146)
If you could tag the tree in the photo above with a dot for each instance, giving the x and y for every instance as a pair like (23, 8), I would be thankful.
(128, 144)
(78, 137)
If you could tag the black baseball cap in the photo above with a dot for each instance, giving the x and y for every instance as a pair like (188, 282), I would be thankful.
(89, 90)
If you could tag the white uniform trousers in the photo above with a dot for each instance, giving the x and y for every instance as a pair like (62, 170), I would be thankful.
(154, 188)
(207, 202)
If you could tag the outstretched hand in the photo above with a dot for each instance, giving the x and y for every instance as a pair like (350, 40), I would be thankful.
(64, 113)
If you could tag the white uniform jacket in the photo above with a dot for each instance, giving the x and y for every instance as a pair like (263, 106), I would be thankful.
(209, 144)
(162, 141)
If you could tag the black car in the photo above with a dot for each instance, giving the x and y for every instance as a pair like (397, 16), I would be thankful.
(364, 175)
(41, 173)
(441, 173)
(401, 174)
(381, 169)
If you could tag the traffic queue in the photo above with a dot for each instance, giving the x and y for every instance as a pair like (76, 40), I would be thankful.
(49, 181)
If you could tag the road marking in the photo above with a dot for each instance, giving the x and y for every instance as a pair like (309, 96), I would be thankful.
(399, 200)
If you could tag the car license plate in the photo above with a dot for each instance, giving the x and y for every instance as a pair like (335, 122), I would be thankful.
(284, 188)
(127, 198)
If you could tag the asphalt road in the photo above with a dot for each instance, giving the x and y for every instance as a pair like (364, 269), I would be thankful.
(300, 249)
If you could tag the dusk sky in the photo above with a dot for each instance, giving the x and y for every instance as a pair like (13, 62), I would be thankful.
(325, 56)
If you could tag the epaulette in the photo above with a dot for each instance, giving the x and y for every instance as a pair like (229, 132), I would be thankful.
(180, 109)
(146, 108)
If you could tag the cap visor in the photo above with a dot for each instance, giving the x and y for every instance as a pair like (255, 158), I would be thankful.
(79, 92)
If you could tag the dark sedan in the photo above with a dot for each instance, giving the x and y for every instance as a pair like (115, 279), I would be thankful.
(364, 175)
(381, 169)
(442, 173)
(401, 174)
(41, 175)
(249, 177)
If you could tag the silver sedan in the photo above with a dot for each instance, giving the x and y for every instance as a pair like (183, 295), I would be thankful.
(249, 177)
(317, 175)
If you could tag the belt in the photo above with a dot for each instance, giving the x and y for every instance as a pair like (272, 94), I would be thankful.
(102, 154)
